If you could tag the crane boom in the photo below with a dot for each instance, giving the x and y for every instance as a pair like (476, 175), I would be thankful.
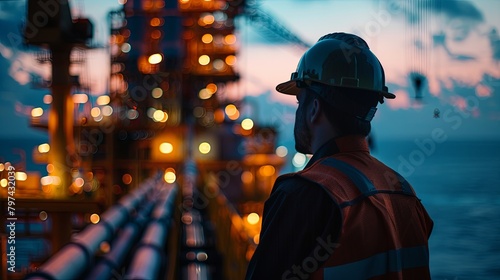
(272, 27)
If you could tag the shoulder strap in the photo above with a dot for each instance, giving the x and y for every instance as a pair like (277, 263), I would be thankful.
(362, 183)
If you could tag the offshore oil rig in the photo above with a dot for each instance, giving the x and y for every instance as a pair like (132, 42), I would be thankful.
(162, 177)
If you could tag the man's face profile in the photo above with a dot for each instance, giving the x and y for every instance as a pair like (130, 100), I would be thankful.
(301, 131)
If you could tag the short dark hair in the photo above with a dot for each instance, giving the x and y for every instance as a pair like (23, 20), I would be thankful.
(346, 122)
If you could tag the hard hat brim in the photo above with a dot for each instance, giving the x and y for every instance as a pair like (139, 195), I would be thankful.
(388, 95)
(288, 87)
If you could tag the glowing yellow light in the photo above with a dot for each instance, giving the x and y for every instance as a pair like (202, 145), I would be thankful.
(156, 34)
(160, 116)
(156, 92)
(165, 117)
(247, 177)
(107, 110)
(207, 38)
(256, 238)
(208, 19)
(117, 39)
(155, 58)
(103, 100)
(184, 1)
(200, 23)
(43, 148)
(253, 218)
(205, 94)
(281, 151)
(37, 112)
(79, 182)
(47, 99)
(166, 148)
(212, 87)
(80, 98)
(21, 176)
(104, 247)
(95, 112)
(204, 148)
(50, 168)
(43, 215)
(46, 180)
(3, 183)
(230, 109)
(94, 218)
(155, 22)
(230, 60)
(2, 167)
(230, 39)
(247, 124)
(234, 116)
(127, 179)
(169, 177)
(159, 4)
(204, 59)
(267, 170)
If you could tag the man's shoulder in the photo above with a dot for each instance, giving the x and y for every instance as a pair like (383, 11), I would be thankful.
(293, 183)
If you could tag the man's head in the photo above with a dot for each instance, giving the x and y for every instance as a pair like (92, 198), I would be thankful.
(344, 80)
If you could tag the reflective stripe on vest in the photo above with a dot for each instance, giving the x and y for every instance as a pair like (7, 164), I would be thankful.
(380, 264)
(363, 184)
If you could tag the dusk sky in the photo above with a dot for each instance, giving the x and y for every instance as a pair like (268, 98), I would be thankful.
(454, 44)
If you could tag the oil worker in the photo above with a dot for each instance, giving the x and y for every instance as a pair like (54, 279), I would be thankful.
(346, 215)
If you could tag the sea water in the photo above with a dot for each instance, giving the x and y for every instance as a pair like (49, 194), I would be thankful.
(459, 185)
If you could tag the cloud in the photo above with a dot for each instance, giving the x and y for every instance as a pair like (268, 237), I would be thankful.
(452, 45)
(23, 66)
(418, 10)
(5, 52)
(456, 9)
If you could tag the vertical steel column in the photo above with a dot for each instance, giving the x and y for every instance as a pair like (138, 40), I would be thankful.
(62, 147)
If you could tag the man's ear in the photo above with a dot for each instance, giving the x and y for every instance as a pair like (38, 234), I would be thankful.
(315, 110)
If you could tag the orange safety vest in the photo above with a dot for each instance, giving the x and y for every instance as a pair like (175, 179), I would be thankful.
(385, 228)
